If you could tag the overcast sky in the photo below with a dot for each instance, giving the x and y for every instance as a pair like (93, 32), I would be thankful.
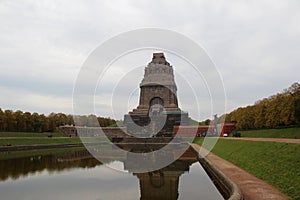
(43, 44)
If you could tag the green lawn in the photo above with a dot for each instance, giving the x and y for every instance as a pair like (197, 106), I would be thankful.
(37, 140)
(276, 163)
(273, 133)
(29, 134)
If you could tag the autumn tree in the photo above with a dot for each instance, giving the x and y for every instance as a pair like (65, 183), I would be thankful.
(282, 109)
(2, 120)
(9, 120)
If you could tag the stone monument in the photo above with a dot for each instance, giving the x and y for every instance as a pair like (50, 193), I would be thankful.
(158, 109)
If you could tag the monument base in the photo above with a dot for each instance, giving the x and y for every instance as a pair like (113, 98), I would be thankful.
(139, 125)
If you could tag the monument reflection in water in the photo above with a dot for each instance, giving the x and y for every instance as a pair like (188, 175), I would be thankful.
(77, 175)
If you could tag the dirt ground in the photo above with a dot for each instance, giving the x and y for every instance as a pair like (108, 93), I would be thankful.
(296, 141)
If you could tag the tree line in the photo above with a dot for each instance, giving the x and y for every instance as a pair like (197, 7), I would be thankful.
(282, 109)
(19, 121)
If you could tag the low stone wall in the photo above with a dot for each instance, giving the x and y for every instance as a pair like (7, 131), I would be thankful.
(72, 131)
(120, 132)
(68, 130)
(228, 189)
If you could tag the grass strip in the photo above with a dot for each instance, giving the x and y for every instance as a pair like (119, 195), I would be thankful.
(36, 141)
(293, 133)
(30, 134)
(276, 163)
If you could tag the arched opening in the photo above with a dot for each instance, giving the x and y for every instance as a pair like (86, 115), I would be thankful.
(156, 100)
(156, 106)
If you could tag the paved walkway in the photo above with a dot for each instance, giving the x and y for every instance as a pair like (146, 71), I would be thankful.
(251, 187)
(296, 141)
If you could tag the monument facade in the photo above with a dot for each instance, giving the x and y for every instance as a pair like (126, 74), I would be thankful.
(158, 109)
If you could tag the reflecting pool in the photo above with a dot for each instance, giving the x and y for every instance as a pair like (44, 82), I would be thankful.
(76, 175)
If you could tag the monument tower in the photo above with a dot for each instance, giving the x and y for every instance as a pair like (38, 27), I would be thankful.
(158, 109)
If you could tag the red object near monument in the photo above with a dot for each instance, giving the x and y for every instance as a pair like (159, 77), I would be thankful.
(201, 131)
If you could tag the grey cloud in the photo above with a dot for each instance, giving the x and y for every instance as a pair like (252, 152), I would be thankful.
(43, 44)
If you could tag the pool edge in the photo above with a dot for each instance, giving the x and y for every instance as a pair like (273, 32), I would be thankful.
(227, 188)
